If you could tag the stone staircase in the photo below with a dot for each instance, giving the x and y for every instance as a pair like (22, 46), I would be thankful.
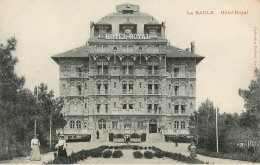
(155, 137)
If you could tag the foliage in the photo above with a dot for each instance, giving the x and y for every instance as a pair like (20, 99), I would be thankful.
(134, 135)
(96, 153)
(159, 154)
(110, 137)
(138, 154)
(119, 136)
(143, 137)
(117, 154)
(85, 138)
(107, 154)
(148, 154)
(179, 138)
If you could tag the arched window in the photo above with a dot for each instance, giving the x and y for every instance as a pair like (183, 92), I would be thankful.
(130, 87)
(156, 87)
(128, 65)
(98, 106)
(150, 87)
(72, 106)
(78, 87)
(149, 106)
(106, 86)
(102, 124)
(127, 123)
(183, 107)
(176, 89)
(72, 124)
(176, 124)
(98, 86)
(102, 66)
(124, 86)
(156, 106)
(131, 105)
(153, 65)
(182, 89)
(191, 89)
(78, 124)
(79, 106)
(106, 105)
(183, 124)
(153, 121)
(124, 105)
(72, 88)
(176, 107)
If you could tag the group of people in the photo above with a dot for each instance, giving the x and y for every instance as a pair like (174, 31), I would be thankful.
(35, 150)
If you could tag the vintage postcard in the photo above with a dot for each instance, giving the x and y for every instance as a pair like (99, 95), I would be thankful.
(129, 82)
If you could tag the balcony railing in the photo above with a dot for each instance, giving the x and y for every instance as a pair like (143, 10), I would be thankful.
(74, 75)
(132, 50)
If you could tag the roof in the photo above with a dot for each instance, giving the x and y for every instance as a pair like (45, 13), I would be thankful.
(173, 51)
(80, 52)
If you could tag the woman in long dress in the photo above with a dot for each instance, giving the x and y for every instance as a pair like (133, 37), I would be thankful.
(61, 146)
(193, 153)
(35, 151)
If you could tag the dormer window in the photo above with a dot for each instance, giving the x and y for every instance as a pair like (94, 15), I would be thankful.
(128, 28)
(153, 32)
(128, 31)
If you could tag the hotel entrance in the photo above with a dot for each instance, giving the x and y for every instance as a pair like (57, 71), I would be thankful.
(153, 126)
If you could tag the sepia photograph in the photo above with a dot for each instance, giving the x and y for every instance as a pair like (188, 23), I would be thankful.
(129, 82)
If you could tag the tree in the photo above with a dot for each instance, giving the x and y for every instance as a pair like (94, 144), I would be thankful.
(202, 125)
(48, 108)
(251, 117)
(10, 85)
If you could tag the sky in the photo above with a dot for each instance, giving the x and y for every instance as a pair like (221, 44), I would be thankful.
(44, 28)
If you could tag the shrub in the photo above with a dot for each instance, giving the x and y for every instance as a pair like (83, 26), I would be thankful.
(107, 154)
(140, 147)
(111, 147)
(145, 148)
(135, 147)
(86, 138)
(96, 153)
(143, 137)
(134, 135)
(117, 154)
(159, 154)
(138, 155)
(110, 137)
(116, 147)
(148, 154)
(119, 135)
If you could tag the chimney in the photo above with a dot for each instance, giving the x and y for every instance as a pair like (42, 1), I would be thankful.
(192, 44)
(187, 49)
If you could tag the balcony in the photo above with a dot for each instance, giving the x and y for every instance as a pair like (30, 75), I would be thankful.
(74, 75)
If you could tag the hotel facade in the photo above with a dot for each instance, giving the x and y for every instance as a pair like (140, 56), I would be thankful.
(127, 78)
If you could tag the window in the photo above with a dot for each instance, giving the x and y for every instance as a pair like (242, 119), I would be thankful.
(183, 124)
(106, 106)
(150, 108)
(176, 72)
(169, 105)
(114, 84)
(98, 108)
(150, 88)
(72, 124)
(140, 125)
(85, 105)
(183, 108)
(102, 66)
(124, 87)
(169, 86)
(114, 124)
(78, 124)
(79, 89)
(176, 124)
(156, 88)
(156, 107)
(106, 87)
(153, 65)
(124, 106)
(102, 124)
(140, 84)
(131, 106)
(131, 86)
(114, 104)
(176, 90)
(128, 66)
(140, 105)
(98, 86)
(176, 108)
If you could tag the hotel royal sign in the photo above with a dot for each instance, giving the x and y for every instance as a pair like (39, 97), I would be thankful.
(138, 36)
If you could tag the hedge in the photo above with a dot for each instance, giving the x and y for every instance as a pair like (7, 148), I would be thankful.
(138, 154)
(179, 138)
(85, 138)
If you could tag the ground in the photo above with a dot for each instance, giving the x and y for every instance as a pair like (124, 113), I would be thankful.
(128, 157)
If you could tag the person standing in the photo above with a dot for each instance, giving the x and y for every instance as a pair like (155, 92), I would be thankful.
(61, 146)
(193, 150)
(35, 151)
(97, 133)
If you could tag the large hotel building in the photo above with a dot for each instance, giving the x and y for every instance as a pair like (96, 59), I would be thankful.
(127, 78)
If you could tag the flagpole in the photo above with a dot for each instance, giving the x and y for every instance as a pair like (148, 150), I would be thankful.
(36, 101)
(217, 129)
